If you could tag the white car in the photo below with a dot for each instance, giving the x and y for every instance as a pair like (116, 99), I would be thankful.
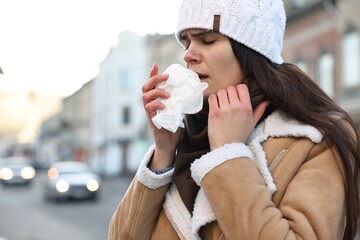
(71, 180)
(16, 171)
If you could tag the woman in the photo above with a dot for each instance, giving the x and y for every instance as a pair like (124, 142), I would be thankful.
(269, 156)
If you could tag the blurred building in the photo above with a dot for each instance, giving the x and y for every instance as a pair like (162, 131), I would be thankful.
(76, 120)
(323, 38)
(117, 119)
(66, 135)
(51, 140)
(164, 50)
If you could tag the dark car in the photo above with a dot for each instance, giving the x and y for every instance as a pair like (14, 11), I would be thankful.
(71, 180)
(16, 170)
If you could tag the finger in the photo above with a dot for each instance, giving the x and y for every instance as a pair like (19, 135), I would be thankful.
(154, 81)
(154, 94)
(152, 107)
(243, 93)
(233, 95)
(213, 103)
(154, 70)
(222, 98)
(259, 110)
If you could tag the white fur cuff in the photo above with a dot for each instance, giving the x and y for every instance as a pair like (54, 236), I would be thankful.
(203, 165)
(148, 177)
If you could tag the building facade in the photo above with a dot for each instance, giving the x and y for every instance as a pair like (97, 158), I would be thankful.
(117, 118)
(66, 135)
(76, 119)
(323, 38)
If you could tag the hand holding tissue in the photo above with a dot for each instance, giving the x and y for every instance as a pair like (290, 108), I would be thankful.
(186, 97)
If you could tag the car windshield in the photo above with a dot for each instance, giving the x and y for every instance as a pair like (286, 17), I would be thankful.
(14, 162)
(71, 167)
(72, 171)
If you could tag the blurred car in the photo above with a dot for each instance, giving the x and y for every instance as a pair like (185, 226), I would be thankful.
(16, 170)
(71, 180)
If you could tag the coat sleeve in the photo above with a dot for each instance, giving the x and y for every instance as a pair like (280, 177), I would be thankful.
(312, 205)
(137, 213)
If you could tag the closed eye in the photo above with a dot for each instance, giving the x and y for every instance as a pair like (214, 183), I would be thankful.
(209, 42)
(204, 37)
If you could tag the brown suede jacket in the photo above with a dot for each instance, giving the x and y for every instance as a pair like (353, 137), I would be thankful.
(285, 183)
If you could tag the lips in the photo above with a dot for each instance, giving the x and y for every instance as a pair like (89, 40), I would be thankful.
(202, 76)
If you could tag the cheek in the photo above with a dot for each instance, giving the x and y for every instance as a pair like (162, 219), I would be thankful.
(229, 60)
(224, 57)
(226, 70)
(230, 68)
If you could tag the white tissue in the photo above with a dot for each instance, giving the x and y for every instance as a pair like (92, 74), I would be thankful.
(186, 92)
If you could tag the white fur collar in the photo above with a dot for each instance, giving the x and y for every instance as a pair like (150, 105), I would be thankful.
(280, 124)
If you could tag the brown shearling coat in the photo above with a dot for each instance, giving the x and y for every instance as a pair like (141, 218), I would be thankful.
(234, 201)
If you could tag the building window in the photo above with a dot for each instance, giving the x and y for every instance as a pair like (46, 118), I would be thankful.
(125, 115)
(351, 59)
(126, 79)
(325, 73)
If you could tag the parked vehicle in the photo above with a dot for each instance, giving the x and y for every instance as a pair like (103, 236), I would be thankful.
(16, 171)
(71, 180)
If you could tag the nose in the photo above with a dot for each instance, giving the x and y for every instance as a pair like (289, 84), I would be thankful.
(191, 55)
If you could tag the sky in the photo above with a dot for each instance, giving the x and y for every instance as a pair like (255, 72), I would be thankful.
(55, 46)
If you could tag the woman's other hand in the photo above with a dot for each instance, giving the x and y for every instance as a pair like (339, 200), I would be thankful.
(231, 117)
(165, 141)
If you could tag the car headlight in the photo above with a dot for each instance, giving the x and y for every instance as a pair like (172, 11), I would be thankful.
(62, 186)
(53, 173)
(92, 185)
(7, 173)
(27, 173)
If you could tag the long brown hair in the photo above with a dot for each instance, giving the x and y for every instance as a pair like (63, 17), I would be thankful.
(292, 91)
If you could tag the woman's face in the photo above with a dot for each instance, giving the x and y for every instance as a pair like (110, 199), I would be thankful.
(210, 55)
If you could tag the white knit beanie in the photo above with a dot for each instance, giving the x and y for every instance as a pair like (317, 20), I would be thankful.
(258, 24)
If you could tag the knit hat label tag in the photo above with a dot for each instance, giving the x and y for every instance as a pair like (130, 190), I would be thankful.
(216, 24)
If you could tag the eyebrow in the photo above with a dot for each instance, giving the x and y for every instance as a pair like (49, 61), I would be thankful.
(196, 34)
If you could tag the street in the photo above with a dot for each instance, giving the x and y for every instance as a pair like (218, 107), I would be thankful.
(25, 215)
